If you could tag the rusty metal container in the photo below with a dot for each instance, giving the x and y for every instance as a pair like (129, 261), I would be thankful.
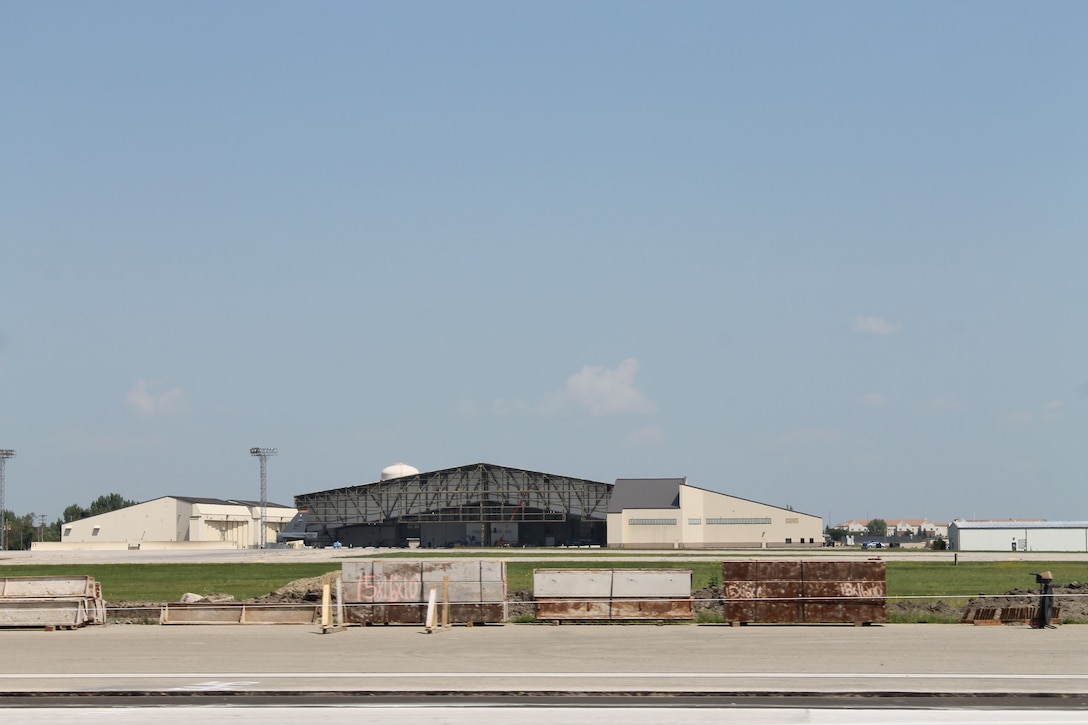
(762, 591)
(785, 592)
(845, 591)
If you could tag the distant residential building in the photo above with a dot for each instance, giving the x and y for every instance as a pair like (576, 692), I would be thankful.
(853, 526)
(896, 527)
(911, 527)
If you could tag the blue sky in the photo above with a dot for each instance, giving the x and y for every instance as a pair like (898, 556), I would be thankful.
(825, 255)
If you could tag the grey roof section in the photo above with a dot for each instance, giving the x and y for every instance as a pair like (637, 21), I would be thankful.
(1020, 524)
(645, 493)
(444, 471)
(227, 502)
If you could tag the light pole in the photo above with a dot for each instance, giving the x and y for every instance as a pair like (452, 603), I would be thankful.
(263, 454)
(5, 454)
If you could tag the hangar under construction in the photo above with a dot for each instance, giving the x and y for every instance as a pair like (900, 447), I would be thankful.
(474, 505)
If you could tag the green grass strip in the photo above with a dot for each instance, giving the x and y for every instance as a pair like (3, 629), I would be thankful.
(167, 582)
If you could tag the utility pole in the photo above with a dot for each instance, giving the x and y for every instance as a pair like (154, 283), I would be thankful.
(5, 454)
(263, 454)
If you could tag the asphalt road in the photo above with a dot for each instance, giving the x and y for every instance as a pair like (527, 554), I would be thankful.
(912, 660)
(632, 674)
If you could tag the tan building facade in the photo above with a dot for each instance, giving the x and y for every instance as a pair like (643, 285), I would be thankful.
(206, 522)
(668, 513)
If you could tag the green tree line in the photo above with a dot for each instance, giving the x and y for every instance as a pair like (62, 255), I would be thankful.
(20, 531)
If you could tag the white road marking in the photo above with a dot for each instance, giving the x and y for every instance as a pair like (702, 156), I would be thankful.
(214, 685)
(428, 715)
(545, 675)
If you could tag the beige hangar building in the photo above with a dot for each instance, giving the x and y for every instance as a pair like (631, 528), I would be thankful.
(669, 513)
(176, 522)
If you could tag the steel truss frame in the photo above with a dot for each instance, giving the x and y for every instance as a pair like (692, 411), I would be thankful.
(476, 493)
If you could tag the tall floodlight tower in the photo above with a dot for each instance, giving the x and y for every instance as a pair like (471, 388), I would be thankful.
(5, 454)
(263, 454)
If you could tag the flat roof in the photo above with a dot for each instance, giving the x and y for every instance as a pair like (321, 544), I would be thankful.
(1020, 524)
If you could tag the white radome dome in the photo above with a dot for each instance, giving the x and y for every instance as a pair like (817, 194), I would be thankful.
(398, 470)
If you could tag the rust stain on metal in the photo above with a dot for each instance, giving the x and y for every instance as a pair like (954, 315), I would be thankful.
(568, 609)
(384, 613)
(653, 609)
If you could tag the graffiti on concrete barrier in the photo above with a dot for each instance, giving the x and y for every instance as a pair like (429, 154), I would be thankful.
(372, 588)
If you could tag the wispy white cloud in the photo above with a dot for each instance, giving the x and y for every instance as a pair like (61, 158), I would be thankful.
(609, 391)
(811, 435)
(509, 406)
(1050, 412)
(598, 389)
(1053, 410)
(1020, 417)
(466, 408)
(650, 435)
(145, 401)
(872, 325)
(874, 400)
(945, 403)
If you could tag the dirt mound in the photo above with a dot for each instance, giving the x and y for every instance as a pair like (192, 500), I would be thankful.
(922, 611)
(520, 604)
(708, 601)
(1071, 597)
(299, 591)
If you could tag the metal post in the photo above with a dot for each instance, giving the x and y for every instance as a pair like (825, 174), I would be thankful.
(263, 454)
(5, 454)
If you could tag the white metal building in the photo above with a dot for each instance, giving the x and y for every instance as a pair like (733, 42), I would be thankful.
(668, 513)
(209, 522)
(1018, 535)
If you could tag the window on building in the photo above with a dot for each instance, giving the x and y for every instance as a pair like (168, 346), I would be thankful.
(739, 521)
(695, 522)
(652, 522)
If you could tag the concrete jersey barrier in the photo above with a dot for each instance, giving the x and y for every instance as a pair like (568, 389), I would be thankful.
(613, 594)
(388, 591)
(51, 601)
